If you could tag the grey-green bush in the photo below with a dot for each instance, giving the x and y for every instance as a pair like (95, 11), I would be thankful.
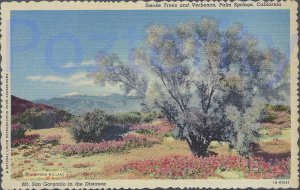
(150, 116)
(40, 119)
(280, 107)
(90, 126)
(36, 119)
(62, 116)
(17, 131)
(135, 117)
(127, 118)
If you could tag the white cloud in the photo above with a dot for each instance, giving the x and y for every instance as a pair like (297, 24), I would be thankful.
(47, 78)
(84, 63)
(78, 76)
(69, 65)
(72, 94)
(77, 79)
(53, 78)
(84, 83)
(34, 78)
(87, 63)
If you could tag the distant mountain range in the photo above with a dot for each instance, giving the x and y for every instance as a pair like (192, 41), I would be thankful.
(19, 105)
(81, 103)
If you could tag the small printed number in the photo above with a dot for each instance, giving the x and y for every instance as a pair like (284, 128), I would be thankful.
(281, 182)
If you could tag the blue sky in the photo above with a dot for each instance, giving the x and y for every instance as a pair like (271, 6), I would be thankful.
(51, 51)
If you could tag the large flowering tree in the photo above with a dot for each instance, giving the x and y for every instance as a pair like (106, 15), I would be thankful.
(211, 83)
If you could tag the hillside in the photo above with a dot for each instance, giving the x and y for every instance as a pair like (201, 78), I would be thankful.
(79, 104)
(19, 105)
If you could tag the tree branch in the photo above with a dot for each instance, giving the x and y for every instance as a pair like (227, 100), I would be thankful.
(180, 106)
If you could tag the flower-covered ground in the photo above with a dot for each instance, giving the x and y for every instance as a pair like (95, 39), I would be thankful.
(186, 167)
(149, 151)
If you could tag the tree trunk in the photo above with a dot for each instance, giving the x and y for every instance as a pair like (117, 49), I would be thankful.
(198, 144)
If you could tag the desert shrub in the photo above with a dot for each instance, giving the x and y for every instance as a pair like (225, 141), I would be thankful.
(62, 116)
(127, 142)
(150, 116)
(281, 107)
(90, 126)
(17, 131)
(135, 117)
(35, 118)
(52, 139)
(62, 124)
(268, 115)
(187, 167)
(145, 129)
(127, 118)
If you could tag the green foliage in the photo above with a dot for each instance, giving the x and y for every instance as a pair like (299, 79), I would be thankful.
(63, 116)
(17, 131)
(269, 117)
(39, 119)
(281, 108)
(131, 118)
(90, 126)
(36, 119)
(150, 116)
(127, 118)
(246, 127)
(269, 113)
(62, 124)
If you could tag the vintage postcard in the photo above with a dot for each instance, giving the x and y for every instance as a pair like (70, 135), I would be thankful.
(149, 94)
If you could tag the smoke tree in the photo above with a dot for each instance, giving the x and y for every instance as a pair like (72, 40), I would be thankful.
(211, 83)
